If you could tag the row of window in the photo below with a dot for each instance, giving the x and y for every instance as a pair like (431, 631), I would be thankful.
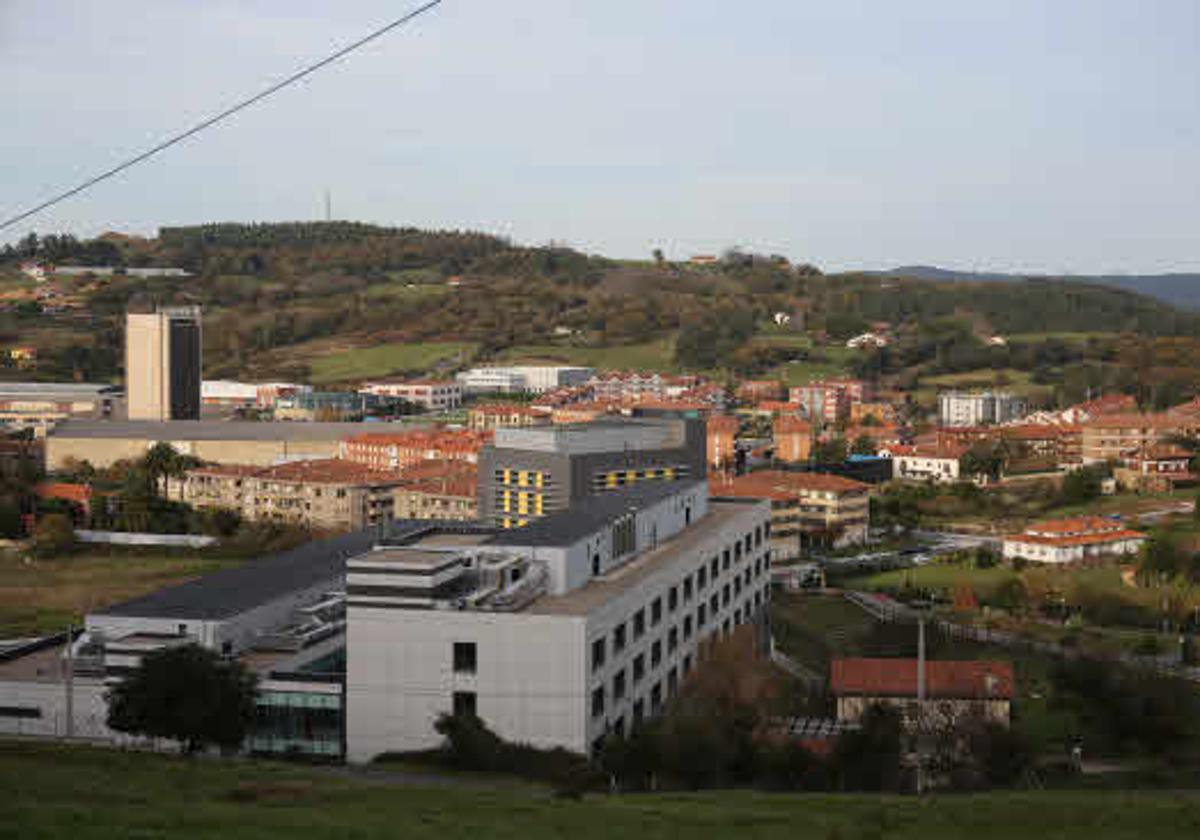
(638, 670)
(687, 590)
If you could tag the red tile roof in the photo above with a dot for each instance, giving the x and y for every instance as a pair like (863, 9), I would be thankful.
(780, 485)
(965, 680)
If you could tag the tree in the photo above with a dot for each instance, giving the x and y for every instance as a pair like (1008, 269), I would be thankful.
(53, 535)
(868, 758)
(830, 451)
(863, 445)
(187, 694)
(659, 259)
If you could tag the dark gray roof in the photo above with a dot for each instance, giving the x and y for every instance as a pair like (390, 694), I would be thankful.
(231, 592)
(211, 430)
(592, 513)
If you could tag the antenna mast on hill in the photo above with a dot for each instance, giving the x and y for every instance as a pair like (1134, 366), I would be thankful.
(328, 206)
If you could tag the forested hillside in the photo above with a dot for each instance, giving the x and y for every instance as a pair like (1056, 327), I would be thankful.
(338, 299)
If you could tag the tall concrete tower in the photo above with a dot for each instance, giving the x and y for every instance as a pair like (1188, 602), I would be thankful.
(162, 363)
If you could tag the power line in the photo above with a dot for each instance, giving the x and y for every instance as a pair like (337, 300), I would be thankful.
(229, 112)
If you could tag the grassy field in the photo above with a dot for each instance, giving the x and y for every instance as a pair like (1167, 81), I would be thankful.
(655, 355)
(1008, 379)
(812, 629)
(53, 791)
(42, 596)
(384, 359)
(985, 582)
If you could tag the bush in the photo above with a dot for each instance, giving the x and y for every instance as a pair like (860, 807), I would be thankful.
(470, 745)
(53, 535)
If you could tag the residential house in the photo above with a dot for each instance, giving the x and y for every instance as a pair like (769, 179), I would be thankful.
(953, 690)
(1072, 540)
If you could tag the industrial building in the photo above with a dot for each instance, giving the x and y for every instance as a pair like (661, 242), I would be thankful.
(259, 444)
(522, 379)
(982, 408)
(42, 405)
(555, 635)
(533, 472)
(163, 353)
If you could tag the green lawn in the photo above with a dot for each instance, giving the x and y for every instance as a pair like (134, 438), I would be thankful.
(385, 359)
(81, 793)
(936, 576)
(656, 355)
(42, 596)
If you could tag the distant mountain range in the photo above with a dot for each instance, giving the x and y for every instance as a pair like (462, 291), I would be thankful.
(1182, 290)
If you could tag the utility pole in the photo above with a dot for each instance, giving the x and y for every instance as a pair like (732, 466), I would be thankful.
(920, 722)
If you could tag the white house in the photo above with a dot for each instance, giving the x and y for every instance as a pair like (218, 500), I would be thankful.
(1071, 540)
(867, 340)
(939, 464)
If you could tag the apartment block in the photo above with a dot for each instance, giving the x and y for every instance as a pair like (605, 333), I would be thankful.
(793, 438)
(980, 408)
(438, 490)
(722, 432)
(532, 472)
(398, 450)
(556, 635)
(1112, 437)
(807, 508)
(162, 363)
(828, 400)
(331, 493)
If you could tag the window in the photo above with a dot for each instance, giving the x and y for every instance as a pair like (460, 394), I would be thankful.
(639, 667)
(656, 612)
(725, 559)
(687, 589)
(701, 579)
(639, 712)
(701, 616)
(758, 536)
(725, 627)
(749, 541)
(598, 650)
(672, 639)
(714, 568)
(464, 704)
(672, 682)
(737, 551)
(656, 698)
(725, 595)
(687, 625)
(737, 616)
(619, 686)
(595, 565)
(619, 638)
(656, 653)
(598, 702)
(687, 664)
(737, 586)
(714, 603)
(746, 577)
(464, 658)
(673, 598)
(639, 624)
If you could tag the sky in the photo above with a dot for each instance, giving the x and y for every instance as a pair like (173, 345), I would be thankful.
(1026, 135)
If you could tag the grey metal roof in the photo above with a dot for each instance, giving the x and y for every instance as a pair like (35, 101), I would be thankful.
(231, 592)
(592, 513)
(210, 430)
(66, 390)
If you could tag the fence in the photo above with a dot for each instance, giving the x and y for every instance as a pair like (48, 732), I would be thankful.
(135, 538)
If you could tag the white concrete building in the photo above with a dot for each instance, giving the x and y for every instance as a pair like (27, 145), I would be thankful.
(939, 464)
(431, 394)
(1072, 540)
(981, 408)
(530, 379)
(555, 634)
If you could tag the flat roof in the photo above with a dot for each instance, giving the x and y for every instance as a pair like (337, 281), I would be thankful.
(598, 510)
(56, 389)
(601, 590)
(204, 430)
(231, 592)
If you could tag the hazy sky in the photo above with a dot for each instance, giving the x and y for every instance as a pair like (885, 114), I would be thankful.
(1048, 135)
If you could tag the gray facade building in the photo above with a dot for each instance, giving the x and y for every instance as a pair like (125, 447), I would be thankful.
(532, 472)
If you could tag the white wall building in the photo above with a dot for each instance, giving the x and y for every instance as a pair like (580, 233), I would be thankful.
(531, 379)
(555, 634)
(433, 395)
(983, 408)
(1072, 540)
(941, 465)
